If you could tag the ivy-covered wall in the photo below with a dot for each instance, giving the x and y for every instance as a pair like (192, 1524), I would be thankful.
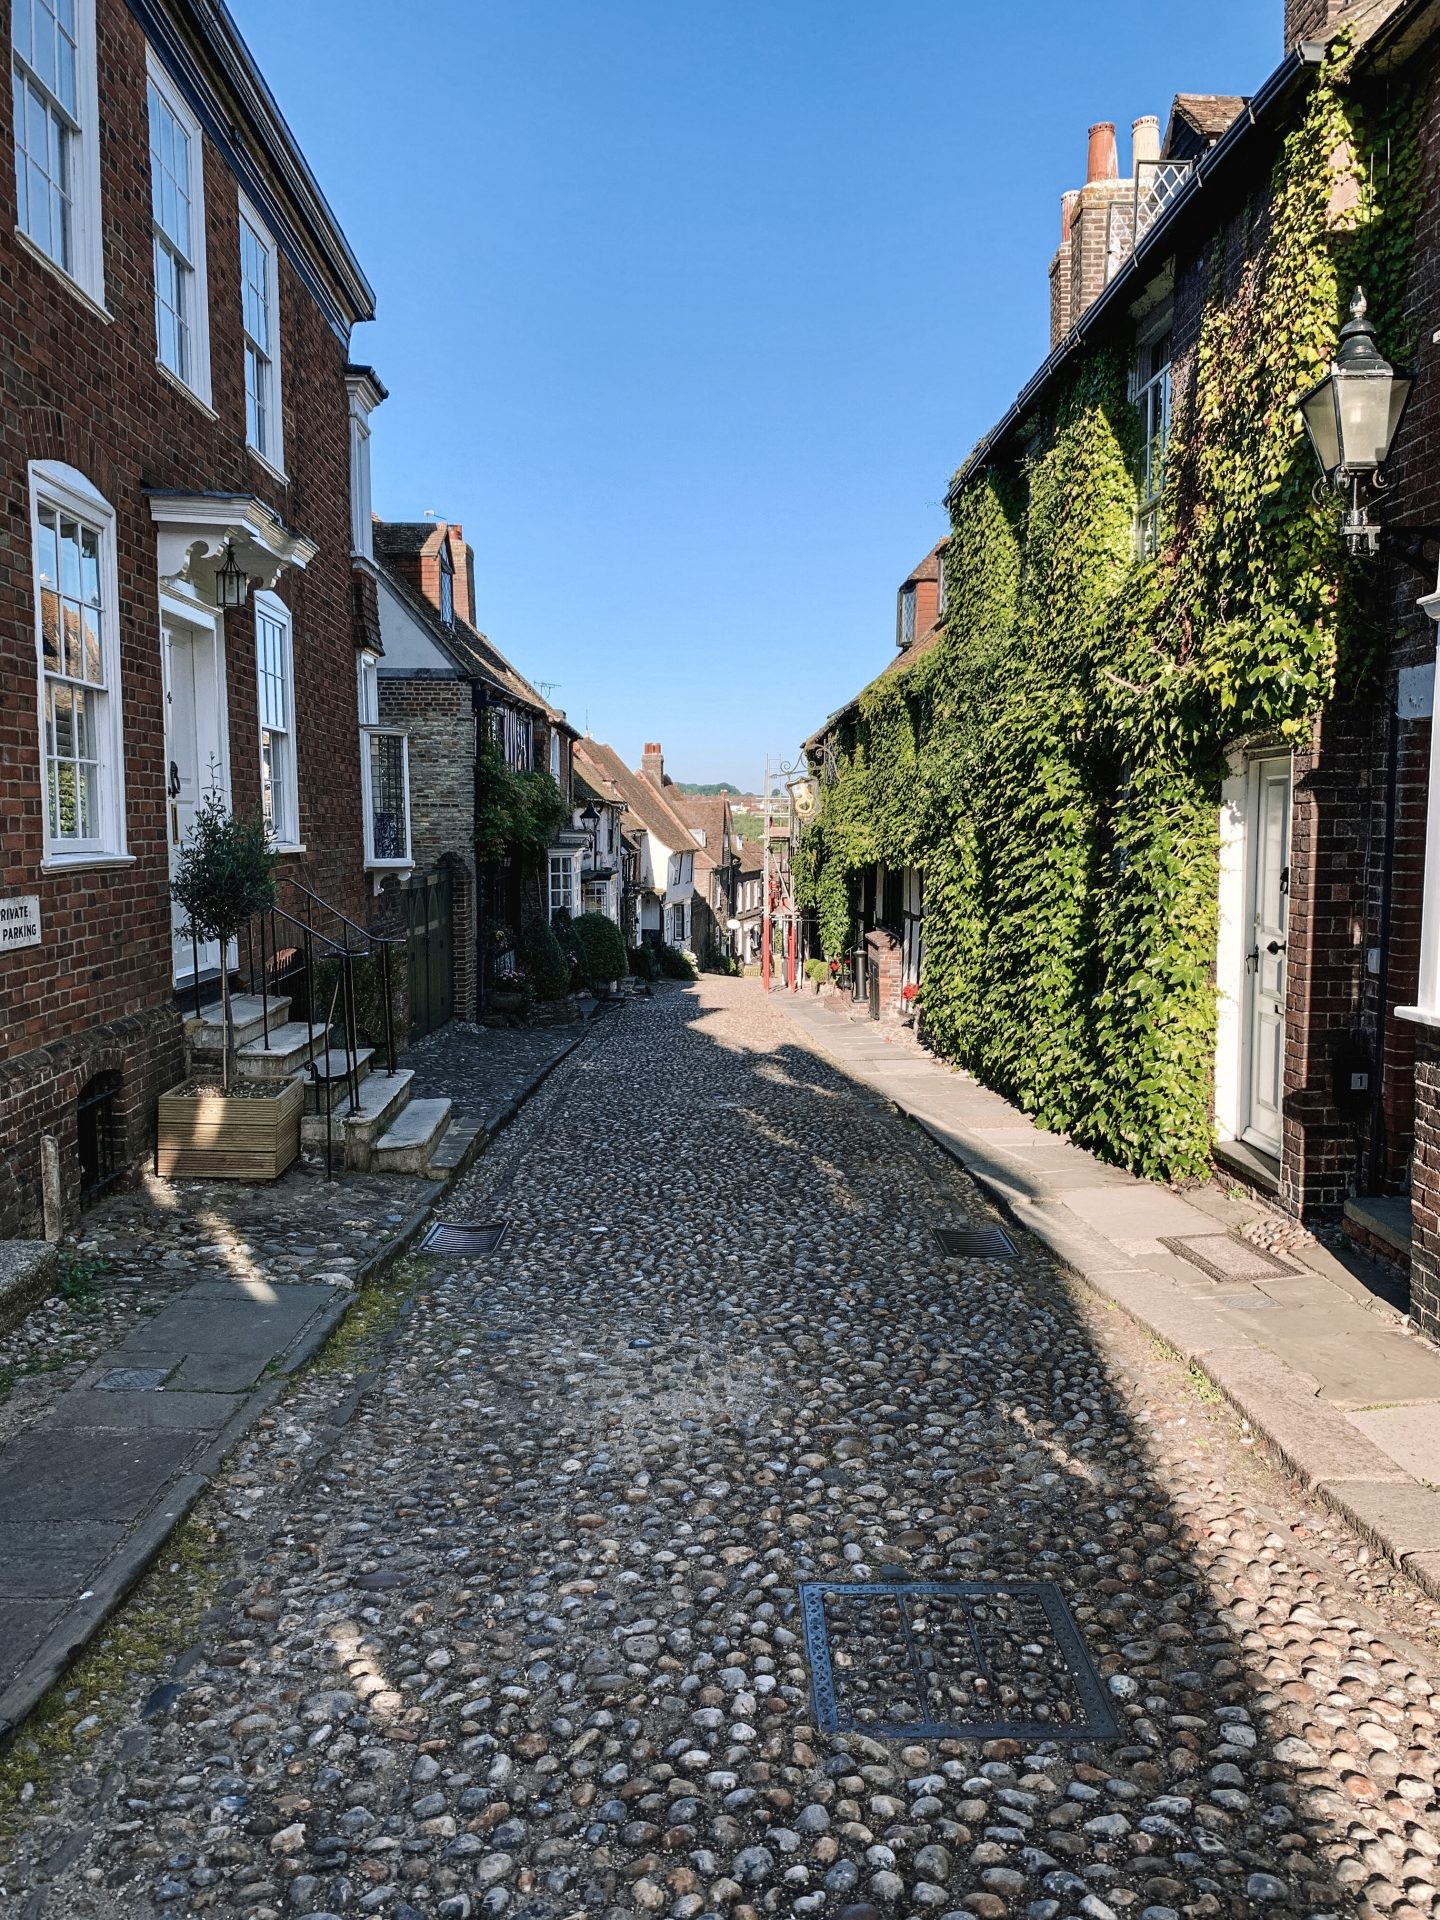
(1053, 765)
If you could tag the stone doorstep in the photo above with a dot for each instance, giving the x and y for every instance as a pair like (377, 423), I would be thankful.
(1342, 1466)
(1380, 1226)
(289, 1050)
(382, 1095)
(248, 1017)
(411, 1138)
(330, 1080)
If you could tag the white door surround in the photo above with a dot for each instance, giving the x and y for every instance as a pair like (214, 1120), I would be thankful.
(1251, 952)
(197, 757)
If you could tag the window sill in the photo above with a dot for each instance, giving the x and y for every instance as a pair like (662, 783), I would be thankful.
(181, 386)
(388, 866)
(84, 862)
(1419, 1016)
(276, 473)
(285, 848)
(66, 280)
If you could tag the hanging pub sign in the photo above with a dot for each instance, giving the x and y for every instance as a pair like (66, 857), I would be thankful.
(19, 921)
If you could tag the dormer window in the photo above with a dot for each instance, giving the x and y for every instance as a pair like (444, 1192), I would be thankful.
(906, 631)
(942, 596)
(447, 587)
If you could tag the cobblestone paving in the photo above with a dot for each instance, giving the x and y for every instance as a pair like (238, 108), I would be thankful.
(483, 1068)
(506, 1617)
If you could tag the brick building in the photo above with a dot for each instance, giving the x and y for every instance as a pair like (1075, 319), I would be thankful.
(1325, 1076)
(175, 311)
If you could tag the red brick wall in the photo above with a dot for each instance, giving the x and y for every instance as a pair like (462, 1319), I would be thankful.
(76, 388)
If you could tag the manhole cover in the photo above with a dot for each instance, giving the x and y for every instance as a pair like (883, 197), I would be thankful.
(976, 1243)
(133, 1380)
(958, 1660)
(1225, 1256)
(451, 1236)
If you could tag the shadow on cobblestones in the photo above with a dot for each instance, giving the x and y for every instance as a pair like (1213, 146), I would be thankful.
(526, 1640)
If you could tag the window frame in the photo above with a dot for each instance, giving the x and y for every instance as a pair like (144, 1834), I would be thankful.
(69, 492)
(1151, 385)
(198, 381)
(560, 858)
(367, 677)
(273, 456)
(446, 588)
(905, 617)
(86, 267)
(267, 605)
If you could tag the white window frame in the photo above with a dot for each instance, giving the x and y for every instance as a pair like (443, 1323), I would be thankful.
(271, 607)
(273, 455)
(564, 896)
(362, 530)
(197, 377)
(555, 753)
(905, 618)
(85, 268)
(1151, 393)
(367, 675)
(62, 488)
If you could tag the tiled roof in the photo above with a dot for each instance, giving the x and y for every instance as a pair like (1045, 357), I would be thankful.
(471, 651)
(607, 772)
(708, 812)
(400, 539)
(1208, 113)
(752, 859)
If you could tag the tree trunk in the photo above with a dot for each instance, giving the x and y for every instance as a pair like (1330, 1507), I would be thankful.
(225, 1031)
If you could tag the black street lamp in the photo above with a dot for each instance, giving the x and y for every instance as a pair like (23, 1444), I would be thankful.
(1352, 417)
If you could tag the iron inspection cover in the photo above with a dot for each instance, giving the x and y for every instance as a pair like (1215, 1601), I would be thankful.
(957, 1660)
(453, 1236)
(975, 1243)
(1226, 1256)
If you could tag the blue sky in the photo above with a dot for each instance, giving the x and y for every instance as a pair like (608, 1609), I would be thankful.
(688, 311)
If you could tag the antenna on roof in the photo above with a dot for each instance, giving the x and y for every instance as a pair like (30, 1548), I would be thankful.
(429, 513)
(547, 687)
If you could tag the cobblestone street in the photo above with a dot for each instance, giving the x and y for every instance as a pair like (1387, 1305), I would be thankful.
(497, 1613)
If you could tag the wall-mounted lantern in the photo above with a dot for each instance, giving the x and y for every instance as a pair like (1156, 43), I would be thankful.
(1352, 417)
(232, 583)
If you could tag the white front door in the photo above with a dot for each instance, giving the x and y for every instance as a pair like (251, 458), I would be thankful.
(196, 763)
(1269, 818)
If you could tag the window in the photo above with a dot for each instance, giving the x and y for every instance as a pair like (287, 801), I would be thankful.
(677, 926)
(365, 393)
(260, 313)
(942, 595)
(384, 776)
(279, 798)
(447, 587)
(177, 213)
(907, 617)
(1152, 396)
(57, 161)
(562, 884)
(77, 637)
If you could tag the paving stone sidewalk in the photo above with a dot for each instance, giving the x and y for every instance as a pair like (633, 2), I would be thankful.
(187, 1304)
(511, 1629)
(1328, 1371)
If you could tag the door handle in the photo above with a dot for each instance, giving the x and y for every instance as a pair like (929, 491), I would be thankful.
(174, 781)
(1276, 946)
(1252, 959)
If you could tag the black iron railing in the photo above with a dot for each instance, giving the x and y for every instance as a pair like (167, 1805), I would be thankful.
(287, 953)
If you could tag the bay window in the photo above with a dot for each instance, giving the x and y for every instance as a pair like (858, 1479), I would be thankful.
(77, 642)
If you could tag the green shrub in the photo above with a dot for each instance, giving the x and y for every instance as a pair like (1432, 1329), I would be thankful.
(642, 963)
(674, 964)
(368, 974)
(224, 877)
(602, 951)
(817, 970)
(544, 961)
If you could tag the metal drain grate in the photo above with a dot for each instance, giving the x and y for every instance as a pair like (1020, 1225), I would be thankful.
(453, 1236)
(133, 1380)
(957, 1660)
(975, 1243)
(1227, 1256)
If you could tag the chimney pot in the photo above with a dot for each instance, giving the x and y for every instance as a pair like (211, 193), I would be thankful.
(1068, 203)
(1104, 160)
(1145, 142)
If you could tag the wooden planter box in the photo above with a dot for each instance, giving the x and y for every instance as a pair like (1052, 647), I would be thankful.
(205, 1136)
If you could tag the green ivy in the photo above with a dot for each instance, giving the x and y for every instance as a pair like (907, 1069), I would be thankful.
(515, 812)
(1053, 765)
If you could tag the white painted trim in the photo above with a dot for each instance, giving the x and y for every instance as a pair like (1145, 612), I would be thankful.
(275, 458)
(1230, 1042)
(68, 489)
(199, 386)
(87, 229)
(274, 608)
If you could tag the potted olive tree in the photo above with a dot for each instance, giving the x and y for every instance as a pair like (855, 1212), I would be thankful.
(224, 876)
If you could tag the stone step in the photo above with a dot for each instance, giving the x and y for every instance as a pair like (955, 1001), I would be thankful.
(353, 1135)
(330, 1081)
(457, 1145)
(247, 1011)
(411, 1138)
(289, 1051)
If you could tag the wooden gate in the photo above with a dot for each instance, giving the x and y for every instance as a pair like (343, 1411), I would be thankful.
(428, 954)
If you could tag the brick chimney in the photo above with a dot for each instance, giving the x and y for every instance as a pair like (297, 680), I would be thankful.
(1321, 19)
(462, 560)
(1095, 226)
(653, 765)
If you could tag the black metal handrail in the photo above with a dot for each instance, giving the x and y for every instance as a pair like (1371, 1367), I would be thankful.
(333, 945)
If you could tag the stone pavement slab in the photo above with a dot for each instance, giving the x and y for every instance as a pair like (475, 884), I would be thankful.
(87, 1473)
(100, 1410)
(1301, 1352)
(46, 1558)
